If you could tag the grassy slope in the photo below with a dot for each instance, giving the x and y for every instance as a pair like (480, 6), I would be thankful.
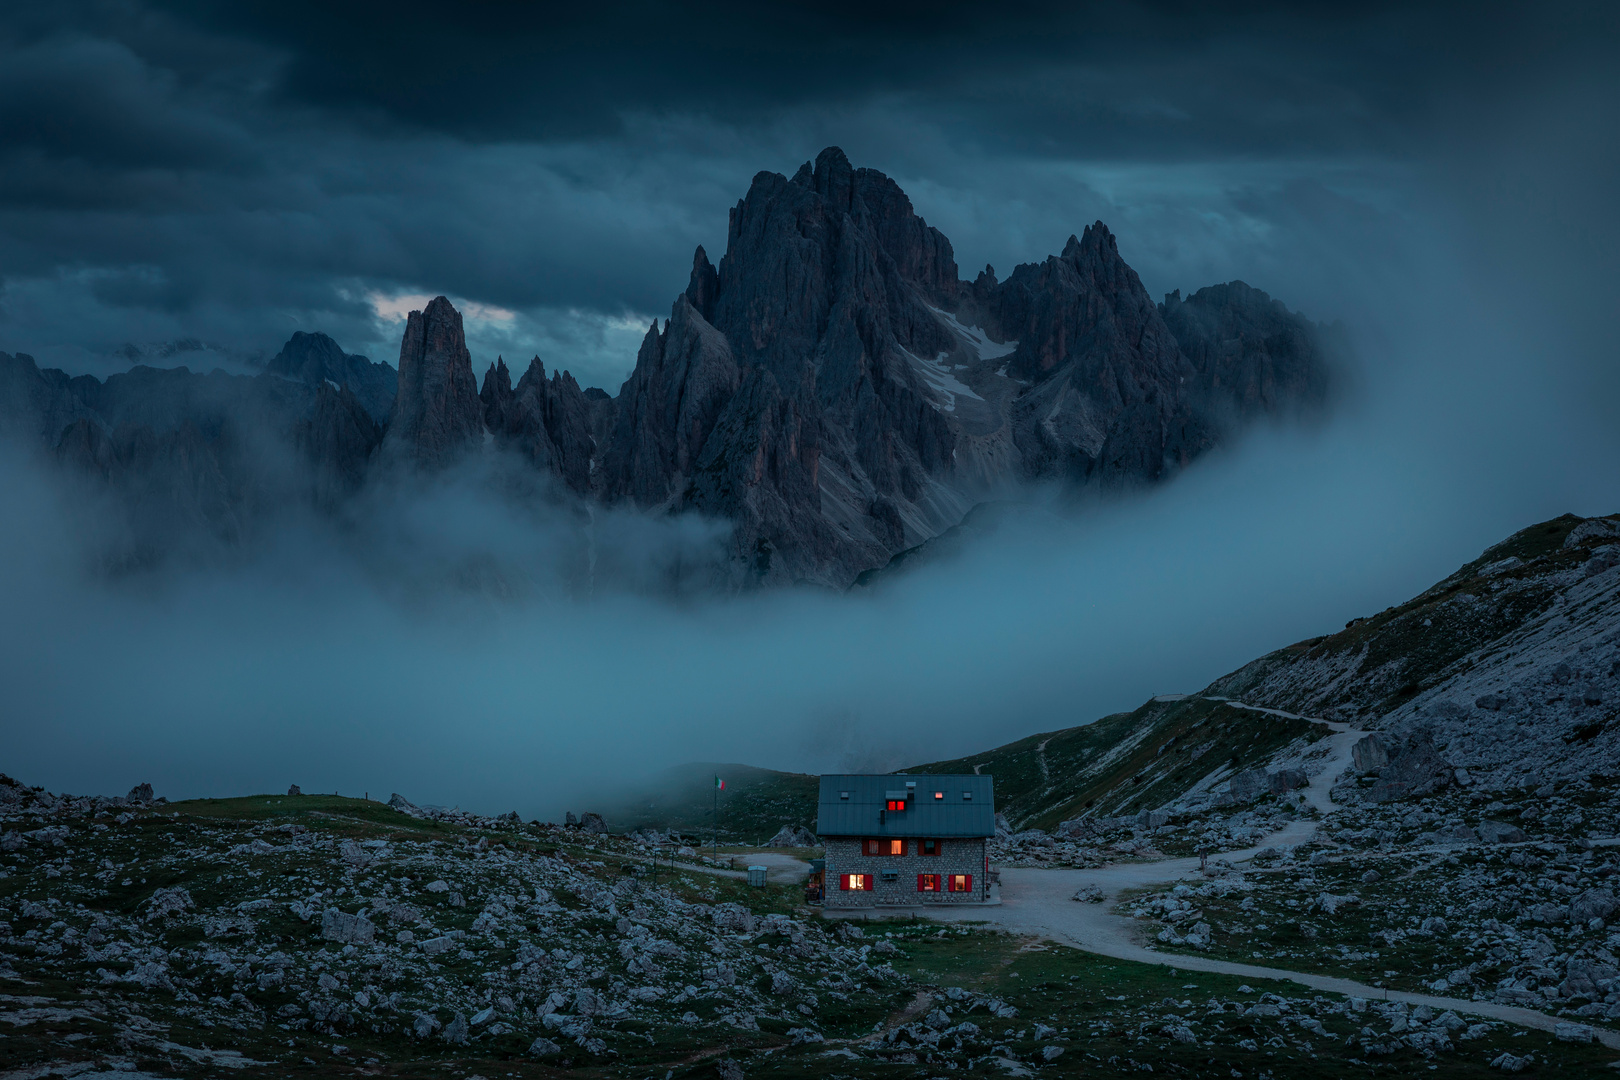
(753, 806)
(1143, 759)
(1393, 655)
(1128, 761)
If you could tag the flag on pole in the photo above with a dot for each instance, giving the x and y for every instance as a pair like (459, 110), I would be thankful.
(720, 785)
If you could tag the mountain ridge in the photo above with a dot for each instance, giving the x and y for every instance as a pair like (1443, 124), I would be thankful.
(831, 389)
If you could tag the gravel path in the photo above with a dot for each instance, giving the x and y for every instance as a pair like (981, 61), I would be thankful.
(1040, 903)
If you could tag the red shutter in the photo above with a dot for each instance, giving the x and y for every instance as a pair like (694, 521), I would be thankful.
(921, 882)
(968, 885)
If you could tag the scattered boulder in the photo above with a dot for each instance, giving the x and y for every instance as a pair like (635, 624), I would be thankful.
(1249, 785)
(1593, 531)
(140, 794)
(543, 1047)
(400, 803)
(1089, 894)
(293, 789)
(1369, 754)
(1604, 558)
(1491, 702)
(1595, 903)
(166, 902)
(793, 836)
(1286, 780)
(1499, 832)
(1416, 770)
(456, 1031)
(593, 823)
(347, 929)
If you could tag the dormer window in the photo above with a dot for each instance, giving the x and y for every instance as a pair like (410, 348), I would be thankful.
(938, 795)
(897, 805)
(844, 795)
(967, 796)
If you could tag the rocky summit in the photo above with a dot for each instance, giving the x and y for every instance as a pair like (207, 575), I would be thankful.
(833, 390)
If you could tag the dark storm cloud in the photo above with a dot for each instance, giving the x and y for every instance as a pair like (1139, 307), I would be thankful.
(237, 171)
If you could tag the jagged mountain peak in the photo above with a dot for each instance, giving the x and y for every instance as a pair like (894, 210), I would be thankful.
(831, 387)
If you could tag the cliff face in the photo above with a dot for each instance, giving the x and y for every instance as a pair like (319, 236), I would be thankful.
(846, 396)
(437, 414)
(832, 389)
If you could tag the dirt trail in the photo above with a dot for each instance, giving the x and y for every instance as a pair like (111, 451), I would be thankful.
(1040, 903)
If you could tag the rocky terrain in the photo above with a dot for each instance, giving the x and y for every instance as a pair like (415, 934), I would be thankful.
(832, 390)
(314, 935)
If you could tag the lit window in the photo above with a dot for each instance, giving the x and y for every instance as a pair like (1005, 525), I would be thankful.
(897, 804)
(857, 882)
(961, 882)
(883, 847)
(896, 847)
(939, 794)
(928, 883)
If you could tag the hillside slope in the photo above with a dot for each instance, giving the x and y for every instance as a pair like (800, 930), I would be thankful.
(1508, 667)
(754, 804)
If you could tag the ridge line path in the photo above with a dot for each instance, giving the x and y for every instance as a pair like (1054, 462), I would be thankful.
(1040, 903)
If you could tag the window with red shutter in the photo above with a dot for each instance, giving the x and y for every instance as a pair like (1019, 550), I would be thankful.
(928, 883)
(857, 882)
(961, 883)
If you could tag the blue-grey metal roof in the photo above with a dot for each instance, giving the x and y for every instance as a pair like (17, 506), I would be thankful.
(855, 805)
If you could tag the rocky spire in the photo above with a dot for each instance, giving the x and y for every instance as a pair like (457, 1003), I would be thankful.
(437, 413)
(704, 287)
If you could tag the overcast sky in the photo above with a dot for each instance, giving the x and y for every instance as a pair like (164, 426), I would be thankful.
(234, 172)
(1439, 177)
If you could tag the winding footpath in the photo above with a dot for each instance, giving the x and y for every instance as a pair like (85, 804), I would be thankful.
(1040, 903)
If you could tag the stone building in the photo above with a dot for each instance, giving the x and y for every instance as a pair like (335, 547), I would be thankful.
(899, 840)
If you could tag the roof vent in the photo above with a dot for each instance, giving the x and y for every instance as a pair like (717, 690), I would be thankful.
(843, 795)
(967, 796)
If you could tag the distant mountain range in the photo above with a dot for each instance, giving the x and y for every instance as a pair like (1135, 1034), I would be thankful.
(833, 389)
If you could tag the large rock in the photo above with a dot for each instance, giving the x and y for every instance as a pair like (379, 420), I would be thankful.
(1594, 903)
(1416, 769)
(437, 414)
(1369, 754)
(1499, 832)
(346, 929)
(793, 836)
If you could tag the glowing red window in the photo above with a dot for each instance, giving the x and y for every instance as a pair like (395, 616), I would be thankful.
(857, 882)
(897, 805)
(961, 882)
(928, 883)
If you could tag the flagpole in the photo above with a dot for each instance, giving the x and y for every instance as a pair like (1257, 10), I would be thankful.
(714, 824)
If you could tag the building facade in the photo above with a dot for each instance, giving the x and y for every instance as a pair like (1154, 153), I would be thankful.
(900, 840)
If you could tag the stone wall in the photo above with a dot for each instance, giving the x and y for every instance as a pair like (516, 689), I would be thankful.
(956, 857)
